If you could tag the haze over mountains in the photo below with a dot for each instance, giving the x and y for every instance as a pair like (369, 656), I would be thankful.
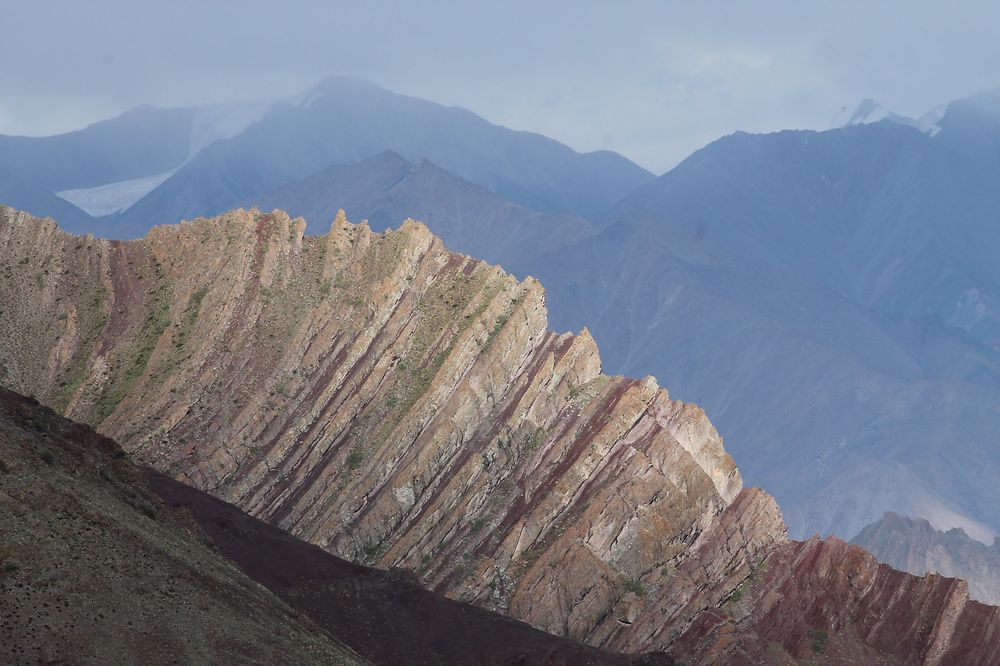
(830, 298)
(910, 544)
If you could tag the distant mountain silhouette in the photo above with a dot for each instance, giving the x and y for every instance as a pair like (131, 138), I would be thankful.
(386, 189)
(831, 299)
(142, 142)
(913, 545)
(343, 121)
(25, 195)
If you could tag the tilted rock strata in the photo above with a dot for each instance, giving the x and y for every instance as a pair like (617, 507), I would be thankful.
(829, 602)
(105, 562)
(402, 405)
(375, 394)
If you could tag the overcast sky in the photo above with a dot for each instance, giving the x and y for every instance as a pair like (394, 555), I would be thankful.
(654, 82)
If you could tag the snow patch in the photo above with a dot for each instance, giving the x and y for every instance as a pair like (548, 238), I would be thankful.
(113, 197)
(867, 112)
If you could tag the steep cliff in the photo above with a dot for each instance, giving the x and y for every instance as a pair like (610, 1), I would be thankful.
(402, 405)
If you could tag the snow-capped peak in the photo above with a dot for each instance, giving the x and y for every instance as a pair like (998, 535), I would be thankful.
(867, 112)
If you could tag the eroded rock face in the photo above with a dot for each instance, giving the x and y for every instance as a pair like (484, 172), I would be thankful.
(402, 405)
(826, 601)
(391, 401)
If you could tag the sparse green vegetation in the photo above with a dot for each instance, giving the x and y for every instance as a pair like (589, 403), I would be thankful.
(635, 587)
(372, 552)
(92, 320)
(150, 332)
(189, 318)
(819, 639)
(530, 555)
(536, 438)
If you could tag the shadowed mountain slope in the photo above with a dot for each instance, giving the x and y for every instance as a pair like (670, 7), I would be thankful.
(96, 570)
(343, 121)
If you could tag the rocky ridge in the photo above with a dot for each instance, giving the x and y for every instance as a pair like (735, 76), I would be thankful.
(912, 544)
(402, 405)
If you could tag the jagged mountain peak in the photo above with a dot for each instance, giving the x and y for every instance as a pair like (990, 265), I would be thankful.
(870, 111)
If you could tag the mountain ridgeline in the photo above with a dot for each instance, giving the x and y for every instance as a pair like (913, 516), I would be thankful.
(913, 545)
(401, 405)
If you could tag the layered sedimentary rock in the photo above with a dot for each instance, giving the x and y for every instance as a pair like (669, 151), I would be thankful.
(402, 405)
(375, 394)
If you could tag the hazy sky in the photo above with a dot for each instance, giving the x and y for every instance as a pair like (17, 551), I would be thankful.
(652, 80)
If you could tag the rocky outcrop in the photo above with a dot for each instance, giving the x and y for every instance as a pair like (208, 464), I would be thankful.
(402, 405)
(375, 394)
(912, 544)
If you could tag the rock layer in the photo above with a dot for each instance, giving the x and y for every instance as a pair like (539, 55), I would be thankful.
(105, 562)
(402, 405)
(391, 401)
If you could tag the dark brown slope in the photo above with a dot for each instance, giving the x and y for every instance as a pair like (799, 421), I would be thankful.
(96, 569)
(385, 615)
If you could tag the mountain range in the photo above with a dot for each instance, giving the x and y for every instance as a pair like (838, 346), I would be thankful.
(830, 298)
(817, 293)
(910, 544)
